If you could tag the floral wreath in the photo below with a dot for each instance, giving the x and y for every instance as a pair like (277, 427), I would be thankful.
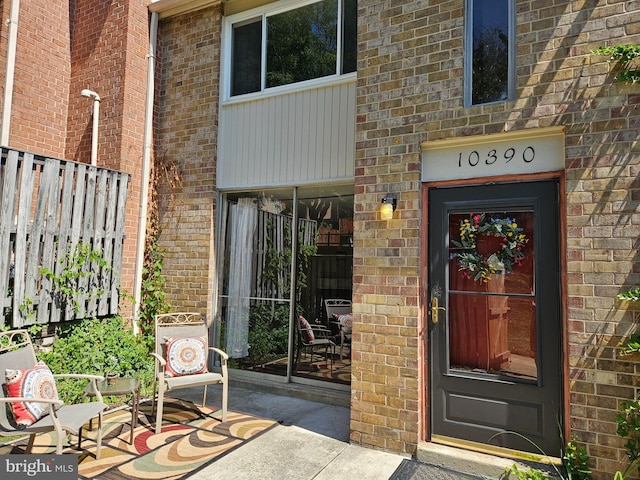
(475, 266)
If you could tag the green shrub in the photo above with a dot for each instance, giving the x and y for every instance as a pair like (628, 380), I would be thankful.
(98, 346)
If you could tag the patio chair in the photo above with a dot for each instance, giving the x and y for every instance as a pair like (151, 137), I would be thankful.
(37, 409)
(312, 338)
(182, 355)
(339, 314)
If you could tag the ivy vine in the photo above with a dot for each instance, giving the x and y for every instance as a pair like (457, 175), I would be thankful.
(625, 56)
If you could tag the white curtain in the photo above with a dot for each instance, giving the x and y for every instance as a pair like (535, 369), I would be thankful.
(243, 218)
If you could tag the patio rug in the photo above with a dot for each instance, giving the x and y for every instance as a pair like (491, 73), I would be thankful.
(192, 437)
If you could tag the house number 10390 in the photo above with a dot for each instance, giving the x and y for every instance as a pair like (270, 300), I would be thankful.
(493, 156)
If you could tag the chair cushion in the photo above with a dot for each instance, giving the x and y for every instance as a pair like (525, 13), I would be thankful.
(186, 356)
(34, 382)
(346, 322)
(307, 331)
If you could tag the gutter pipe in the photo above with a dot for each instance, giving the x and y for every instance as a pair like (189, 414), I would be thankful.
(94, 130)
(146, 168)
(12, 41)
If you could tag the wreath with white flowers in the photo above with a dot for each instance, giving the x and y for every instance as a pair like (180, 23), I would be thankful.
(476, 266)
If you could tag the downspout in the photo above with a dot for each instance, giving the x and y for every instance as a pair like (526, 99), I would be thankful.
(146, 167)
(94, 129)
(7, 100)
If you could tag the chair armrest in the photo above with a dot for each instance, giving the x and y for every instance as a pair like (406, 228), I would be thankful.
(223, 362)
(223, 355)
(321, 332)
(161, 361)
(49, 401)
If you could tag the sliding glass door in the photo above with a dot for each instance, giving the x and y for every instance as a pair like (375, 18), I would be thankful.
(271, 277)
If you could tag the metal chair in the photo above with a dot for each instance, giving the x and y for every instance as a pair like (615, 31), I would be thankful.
(311, 338)
(184, 326)
(17, 353)
(335, 308)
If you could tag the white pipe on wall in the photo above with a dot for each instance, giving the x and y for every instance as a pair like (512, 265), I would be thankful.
(146, 167)
(94, 130)
(7, 100)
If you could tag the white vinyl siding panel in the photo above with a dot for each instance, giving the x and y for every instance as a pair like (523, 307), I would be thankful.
(296, 138)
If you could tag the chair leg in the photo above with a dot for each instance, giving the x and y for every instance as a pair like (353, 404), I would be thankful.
(60, 434)
(32, 439)
(225, 399)
(159, 407)
(153, 397)
(204, 396)
(99, 437)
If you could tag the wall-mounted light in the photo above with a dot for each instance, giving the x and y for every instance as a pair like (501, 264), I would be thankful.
(387, 208)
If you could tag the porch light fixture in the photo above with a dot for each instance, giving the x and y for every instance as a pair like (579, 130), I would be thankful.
(387, 208)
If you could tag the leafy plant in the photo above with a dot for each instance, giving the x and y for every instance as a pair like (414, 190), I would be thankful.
(153, 297)
(528, 474)
(96, 346)
(626, 56)
(78, 277)
(575, 462)
(632, 295)
(268, 332)
(628, 422)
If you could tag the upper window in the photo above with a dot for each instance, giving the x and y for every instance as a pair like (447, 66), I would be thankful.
(490, 51)
(312, 41)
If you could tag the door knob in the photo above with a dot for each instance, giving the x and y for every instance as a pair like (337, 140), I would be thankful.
(434, 309)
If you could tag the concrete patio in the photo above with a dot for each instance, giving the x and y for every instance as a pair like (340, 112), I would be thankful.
(311, 440)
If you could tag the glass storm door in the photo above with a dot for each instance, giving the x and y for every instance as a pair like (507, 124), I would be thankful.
(496, 337)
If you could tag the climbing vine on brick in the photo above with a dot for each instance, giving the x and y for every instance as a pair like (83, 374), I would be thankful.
(626, 57)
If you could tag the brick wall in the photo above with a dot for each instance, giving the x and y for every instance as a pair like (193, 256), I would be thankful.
(410, 90)
(110, 44)
(187, 136)
(42, 74)
(64, 47)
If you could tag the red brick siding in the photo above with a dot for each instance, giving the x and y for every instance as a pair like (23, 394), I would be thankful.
(42, 75)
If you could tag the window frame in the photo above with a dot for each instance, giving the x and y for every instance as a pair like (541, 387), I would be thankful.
(262, 13)
(468, 55)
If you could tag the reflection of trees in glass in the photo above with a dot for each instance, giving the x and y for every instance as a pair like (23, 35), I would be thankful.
(269, 320)
(490, 65)
(302, 43)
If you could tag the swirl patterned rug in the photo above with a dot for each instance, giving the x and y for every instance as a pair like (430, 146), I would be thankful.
(192, 438)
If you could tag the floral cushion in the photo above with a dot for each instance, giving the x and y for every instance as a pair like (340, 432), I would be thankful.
(307, 331)
(34, 382)
(186, 356)
(346, 322)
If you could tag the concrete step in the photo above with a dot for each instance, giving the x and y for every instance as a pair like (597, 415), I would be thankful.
(475, 464)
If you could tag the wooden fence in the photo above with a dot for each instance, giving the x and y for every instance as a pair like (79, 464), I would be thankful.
(61, 239)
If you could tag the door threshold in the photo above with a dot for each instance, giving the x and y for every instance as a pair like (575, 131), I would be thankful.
(495, 450)
(486, 461)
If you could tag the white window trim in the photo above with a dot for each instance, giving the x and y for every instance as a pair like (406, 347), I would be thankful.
(263, 12)
(468, 55)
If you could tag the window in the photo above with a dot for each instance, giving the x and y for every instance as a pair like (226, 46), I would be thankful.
(315, 40)
(490, 46)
